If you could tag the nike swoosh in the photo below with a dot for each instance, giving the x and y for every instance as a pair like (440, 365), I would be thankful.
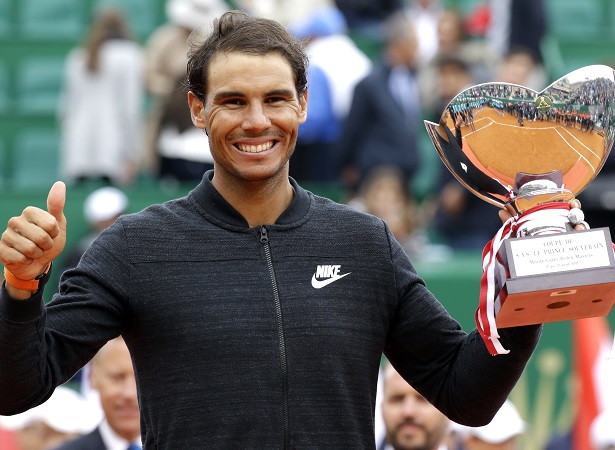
(318, 284)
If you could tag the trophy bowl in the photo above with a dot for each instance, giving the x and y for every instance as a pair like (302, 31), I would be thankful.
(511, 145)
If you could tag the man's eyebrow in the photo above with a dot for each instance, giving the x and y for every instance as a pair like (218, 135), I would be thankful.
(275, 92)
(227, 94)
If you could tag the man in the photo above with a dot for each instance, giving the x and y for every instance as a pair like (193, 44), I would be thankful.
(504, 432)
(382, 126)
(256, 313)
(113, 377)
(411, 422)
(64, 416)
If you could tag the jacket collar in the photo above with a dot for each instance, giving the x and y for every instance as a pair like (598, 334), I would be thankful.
(211, 201)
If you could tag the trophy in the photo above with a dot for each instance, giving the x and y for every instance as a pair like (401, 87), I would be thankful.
(533, 152)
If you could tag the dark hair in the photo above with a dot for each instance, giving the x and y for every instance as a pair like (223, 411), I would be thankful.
(235, 31)
(109, 23)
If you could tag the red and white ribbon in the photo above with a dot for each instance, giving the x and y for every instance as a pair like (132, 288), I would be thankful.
(547, 218)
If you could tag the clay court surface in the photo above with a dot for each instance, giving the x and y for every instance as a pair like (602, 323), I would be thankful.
(502, 148)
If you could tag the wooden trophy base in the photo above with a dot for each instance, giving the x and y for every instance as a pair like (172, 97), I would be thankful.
(530, 297)
(558, 297)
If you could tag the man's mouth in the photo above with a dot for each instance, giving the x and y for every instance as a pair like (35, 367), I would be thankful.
(255, 148)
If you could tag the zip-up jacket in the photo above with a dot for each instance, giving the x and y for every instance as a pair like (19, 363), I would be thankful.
(263, 338)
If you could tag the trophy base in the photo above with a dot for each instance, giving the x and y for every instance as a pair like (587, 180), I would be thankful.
(557, 277)
(568, 296)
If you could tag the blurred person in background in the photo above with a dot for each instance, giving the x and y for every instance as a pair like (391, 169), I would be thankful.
(106, 73)
(113, 377)
(453, 42)
(424, 16)
(517, 67)
(411, 422)
(382, 126)
(385, 194)
(336, 66)
(504, 432)
(64, 416)
(367, 19)
(175, 151)
(282, 11)
(519, 24)
(461, 220)
(101, 209)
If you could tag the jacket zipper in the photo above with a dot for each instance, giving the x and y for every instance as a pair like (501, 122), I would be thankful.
(282, 344)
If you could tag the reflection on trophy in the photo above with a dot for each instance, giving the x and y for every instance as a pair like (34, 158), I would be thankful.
(534, 152)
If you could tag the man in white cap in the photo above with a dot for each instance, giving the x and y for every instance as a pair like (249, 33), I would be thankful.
(100, 209)
(63, 416)
(504, 432)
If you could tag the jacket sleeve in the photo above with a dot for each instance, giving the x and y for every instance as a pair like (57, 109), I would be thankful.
(451, 368)
(43, 346)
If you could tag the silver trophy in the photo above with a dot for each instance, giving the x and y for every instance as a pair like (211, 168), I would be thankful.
(534, 151)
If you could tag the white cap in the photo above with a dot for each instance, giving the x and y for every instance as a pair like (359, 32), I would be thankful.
(65, 411)
(506, 424)
(602, 431)
(194, 14)
(104, 204)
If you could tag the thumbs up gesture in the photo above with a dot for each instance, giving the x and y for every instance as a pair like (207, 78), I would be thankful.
(36, 237)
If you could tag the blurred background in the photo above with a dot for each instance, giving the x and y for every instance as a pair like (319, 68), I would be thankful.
(127, 127)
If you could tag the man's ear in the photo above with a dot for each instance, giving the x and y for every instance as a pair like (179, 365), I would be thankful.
(197, 111)
(303, 107)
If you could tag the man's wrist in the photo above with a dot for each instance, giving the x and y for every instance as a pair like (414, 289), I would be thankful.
(23, 289)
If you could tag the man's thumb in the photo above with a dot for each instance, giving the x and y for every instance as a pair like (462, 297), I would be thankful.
(56, 200)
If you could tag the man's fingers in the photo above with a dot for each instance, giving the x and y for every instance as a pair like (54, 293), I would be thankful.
(30, 240)
(56, 201)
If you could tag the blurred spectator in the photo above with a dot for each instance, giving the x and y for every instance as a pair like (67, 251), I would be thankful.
(454, 42)
(424, 16)
(517, 67)
(462, 220)
(282, 11)
(411, 422)
(367, 19)
(100, 209)
(101, 108)
(385, 194)
(336, 66)
(504, 432)
(112, 376)
(383, 123)
(519, 24)
(64, 416)
(175, 149)
(602, 431)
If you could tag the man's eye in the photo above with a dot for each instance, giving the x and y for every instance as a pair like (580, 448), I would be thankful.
(275, 99)
(233, 101)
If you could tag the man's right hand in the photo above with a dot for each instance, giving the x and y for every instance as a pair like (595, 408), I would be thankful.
(34, 239)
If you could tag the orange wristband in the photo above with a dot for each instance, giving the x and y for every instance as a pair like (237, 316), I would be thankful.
(26, 285)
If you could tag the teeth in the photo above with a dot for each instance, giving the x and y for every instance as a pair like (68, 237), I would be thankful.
(255, 148)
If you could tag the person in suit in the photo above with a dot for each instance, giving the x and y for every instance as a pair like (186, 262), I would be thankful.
(382, 126)
(113, 377)
(411, 422)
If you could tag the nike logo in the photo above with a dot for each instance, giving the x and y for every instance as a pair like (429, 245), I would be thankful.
(330, 273)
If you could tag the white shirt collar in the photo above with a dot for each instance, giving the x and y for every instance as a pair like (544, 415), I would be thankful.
(112, 440)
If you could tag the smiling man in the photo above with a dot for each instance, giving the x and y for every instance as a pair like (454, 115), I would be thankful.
(256, 313)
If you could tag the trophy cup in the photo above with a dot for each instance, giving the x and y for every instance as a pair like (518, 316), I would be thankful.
(533, 152)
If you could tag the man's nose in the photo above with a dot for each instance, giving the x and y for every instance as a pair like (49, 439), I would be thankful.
(256, 118)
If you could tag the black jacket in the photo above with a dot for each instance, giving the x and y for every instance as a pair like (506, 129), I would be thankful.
(233, 345)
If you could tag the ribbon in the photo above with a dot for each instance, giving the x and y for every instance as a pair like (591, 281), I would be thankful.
(547, 218)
